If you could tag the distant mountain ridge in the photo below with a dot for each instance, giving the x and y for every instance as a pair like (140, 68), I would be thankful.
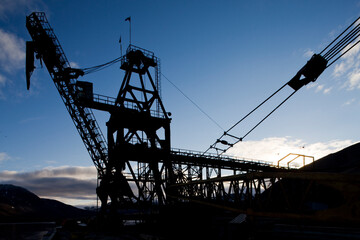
(346, 160)
(19, 204)
(335, 200)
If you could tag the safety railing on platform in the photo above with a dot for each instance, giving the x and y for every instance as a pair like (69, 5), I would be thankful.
(130, 105)
(229, 158)
(104, 99)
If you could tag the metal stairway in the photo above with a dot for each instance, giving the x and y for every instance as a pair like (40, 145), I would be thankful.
(48, 49)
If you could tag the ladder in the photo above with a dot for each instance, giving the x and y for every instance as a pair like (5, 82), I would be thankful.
(48, 49)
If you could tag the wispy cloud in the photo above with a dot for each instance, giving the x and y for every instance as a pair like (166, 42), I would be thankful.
(349, 102)
(12, 58)
(12, 64)
(320, 88)
(353, 81)
(74, 65)
(2, 80)
(2, 84)
(273, 149)
(341, 68)
(12, 47)
(19, 6)
(72, 185)
(31, 119)
(348, 67)
(308, 53)
(10, 6)
(4, 157)
(12, 51)
(327, 90)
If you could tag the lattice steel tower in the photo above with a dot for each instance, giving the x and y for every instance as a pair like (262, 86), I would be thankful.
(139, 133)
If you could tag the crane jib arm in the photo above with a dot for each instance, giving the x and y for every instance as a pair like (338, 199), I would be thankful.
(46, 47)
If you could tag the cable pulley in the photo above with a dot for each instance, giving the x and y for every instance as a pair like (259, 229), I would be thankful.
(342, 44)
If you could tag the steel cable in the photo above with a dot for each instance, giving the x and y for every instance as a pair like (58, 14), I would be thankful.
(339, 36)
(350, 37)
(101, 66)
(247, 115)
(343, 54)
(196, 105)
(338, 45)
(255, 108)
(262, 120)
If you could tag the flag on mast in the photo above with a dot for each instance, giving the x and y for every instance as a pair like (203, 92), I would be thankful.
(129, 19)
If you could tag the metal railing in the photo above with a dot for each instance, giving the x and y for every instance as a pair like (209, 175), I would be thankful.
(129, 105)
(229, 158)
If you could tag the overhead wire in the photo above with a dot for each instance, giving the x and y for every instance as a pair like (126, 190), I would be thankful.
(257, 107)
(239, 139)
(196, 105)
(101, 66)
(336, 47)
(350, 37)
(339, 36)
(107, 64)
(343, 54)
(262, 120)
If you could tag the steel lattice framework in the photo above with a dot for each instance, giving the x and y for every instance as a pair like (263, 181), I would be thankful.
(137, 165)
(47, 48)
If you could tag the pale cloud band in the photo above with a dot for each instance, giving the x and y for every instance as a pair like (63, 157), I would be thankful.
(12, 51)
(4, 157)
(77, 185)
(71, 185)
(349, 67)
(274, 148)
(12, 58)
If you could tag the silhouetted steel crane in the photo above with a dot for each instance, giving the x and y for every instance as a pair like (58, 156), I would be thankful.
(138, 138)
(48, 49)
(136, 163)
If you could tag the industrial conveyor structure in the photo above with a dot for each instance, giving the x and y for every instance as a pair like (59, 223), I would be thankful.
(136, 164)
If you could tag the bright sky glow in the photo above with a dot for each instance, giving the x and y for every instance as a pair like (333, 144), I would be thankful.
(227, 56)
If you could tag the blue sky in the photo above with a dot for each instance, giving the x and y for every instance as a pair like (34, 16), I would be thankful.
(227, 56)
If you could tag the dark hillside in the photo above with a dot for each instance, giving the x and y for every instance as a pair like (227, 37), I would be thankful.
(346, 160)
(19, 204)
(334, 198)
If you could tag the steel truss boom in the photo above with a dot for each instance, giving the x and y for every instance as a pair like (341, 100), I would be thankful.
(138, 148)
(137, 162)
(47, 48)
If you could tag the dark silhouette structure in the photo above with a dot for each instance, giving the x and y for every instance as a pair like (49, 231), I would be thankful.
(138, 141)
(136, 164)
